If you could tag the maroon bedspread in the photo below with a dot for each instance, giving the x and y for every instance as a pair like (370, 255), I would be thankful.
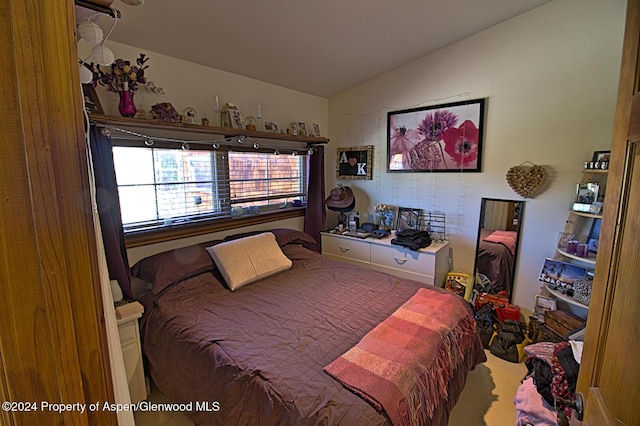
(260, 351)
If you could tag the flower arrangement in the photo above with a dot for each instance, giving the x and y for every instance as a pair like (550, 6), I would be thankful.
(385, 211)
(382, 209)
(122, 75)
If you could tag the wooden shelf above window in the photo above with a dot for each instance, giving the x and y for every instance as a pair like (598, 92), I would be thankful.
(160, 128)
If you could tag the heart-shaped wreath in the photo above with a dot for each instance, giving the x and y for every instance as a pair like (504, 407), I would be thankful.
(526, 180)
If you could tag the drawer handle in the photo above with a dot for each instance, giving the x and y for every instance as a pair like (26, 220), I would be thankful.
(401, 261)
(344, 249)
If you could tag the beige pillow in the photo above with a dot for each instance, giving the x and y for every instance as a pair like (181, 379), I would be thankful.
(250, 259)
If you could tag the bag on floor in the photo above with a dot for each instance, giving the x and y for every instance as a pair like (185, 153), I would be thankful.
(486, 323)
(509, 341)
(504, 309)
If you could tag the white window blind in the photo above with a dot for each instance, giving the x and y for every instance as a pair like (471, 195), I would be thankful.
(165, 186)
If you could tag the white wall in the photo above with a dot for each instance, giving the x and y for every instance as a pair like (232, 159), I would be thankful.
(550, 79)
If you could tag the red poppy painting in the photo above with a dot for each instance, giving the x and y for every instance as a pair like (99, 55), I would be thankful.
(439, 138)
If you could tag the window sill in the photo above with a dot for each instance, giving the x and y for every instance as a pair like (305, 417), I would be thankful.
(136, 239)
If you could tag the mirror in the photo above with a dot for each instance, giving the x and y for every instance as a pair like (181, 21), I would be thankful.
(497, 244)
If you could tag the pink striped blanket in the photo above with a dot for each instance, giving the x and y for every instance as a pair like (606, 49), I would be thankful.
(404, 364)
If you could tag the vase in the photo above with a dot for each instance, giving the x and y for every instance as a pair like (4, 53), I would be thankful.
(126, 106)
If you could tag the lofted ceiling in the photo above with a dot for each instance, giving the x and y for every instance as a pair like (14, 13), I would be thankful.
(320, 47)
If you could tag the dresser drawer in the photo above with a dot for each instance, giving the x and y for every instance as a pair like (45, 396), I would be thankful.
(128, 332)
(401, 259)
(346, 249)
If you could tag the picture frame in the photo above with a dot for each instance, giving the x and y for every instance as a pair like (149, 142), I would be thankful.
(235, 117)
(587, 193)
(408, 218)
(91, 101)
(270, 126)
(594, 235)
(561, 275)
(601, 156)
(302, 129)
(438, 138)
(543, 305)
(316, 130)
(355, 162)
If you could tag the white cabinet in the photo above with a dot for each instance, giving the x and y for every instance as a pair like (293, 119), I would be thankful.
(132, 356)
(428, 265)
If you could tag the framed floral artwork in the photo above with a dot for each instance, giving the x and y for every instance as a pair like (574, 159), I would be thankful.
(438, 138)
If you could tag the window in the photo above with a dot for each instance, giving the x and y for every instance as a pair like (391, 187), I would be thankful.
(165, 186)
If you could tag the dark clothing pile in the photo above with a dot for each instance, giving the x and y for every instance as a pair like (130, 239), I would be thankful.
(413, 239)
(554, 371)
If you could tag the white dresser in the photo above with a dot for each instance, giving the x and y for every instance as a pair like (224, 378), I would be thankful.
(429, 265)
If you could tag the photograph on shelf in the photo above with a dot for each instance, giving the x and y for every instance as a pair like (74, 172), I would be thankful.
(594, 236)
(91, 100)
(236, 119)
(271, 126)
(601, 156)
(543, 305)
(587, 193)
(560, 275)
(408, 218)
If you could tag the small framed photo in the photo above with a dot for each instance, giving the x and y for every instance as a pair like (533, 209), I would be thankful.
(587, 193)
(271, 126)
(601, 156)
(316, 130)
(408, 218)
(355, 162)
(543, 305)
(91, 101)
(302, 129)
(594, 235)
(236, 119)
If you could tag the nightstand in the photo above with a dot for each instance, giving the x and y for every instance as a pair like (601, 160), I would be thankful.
(132, 354)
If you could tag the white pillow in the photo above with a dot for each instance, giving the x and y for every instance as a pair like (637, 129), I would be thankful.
(250, 259)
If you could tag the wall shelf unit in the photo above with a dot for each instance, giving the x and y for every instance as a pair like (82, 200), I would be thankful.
(195, 132)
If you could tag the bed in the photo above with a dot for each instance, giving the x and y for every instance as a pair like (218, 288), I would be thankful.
(495, 260)
(261, 354)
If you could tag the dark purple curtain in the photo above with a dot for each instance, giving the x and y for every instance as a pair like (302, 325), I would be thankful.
(109, 210)
(316, 215)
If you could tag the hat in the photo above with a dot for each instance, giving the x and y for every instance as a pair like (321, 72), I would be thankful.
(340, 198)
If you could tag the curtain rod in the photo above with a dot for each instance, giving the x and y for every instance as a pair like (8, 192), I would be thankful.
(98, 8)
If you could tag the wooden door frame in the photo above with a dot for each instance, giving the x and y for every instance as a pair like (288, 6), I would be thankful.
(626, 127)
(52, 334)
